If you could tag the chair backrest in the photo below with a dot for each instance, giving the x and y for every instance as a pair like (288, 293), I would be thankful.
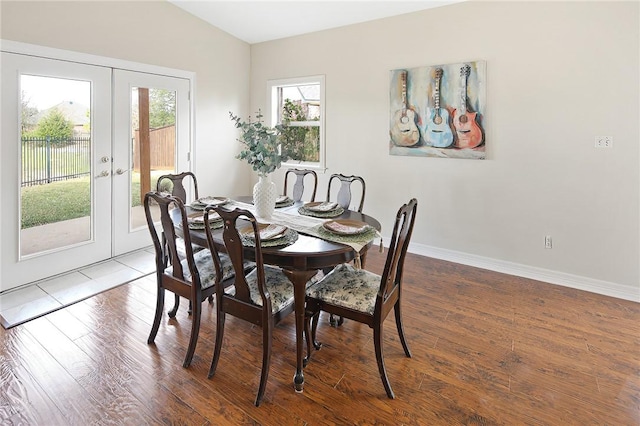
(175, 185)
(392, 274)
(235, 250)
(298, 186)
(344, 192)
(165, 203)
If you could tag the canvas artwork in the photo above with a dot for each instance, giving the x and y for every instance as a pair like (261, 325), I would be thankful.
(438, 111)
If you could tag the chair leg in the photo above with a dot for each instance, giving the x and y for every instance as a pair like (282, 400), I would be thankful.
(377, 342)
(400, 328)
(156, 319)
(309, 336)
(195, 329)
(172, 313)
(218, 345)
(334, 323)
(314, 328)
(266, 359)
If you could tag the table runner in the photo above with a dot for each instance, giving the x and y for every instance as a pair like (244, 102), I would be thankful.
(313, 226)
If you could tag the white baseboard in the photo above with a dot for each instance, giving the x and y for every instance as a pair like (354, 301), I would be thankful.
(553, 277)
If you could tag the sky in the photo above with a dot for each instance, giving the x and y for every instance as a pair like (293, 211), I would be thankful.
(45, 92)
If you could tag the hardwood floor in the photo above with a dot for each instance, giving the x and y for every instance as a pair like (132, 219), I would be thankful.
(487, 349)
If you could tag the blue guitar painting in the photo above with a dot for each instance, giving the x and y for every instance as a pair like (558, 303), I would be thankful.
(437, 132)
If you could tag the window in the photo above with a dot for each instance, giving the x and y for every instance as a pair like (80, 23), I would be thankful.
(299, 103)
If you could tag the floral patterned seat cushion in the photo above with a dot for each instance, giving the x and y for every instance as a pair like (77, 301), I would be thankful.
(182, 251)
(279, 287)
(348, 287)
(206, 268)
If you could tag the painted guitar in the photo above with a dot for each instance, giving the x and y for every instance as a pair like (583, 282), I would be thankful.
(437, 132)
(404, 131)
(468, 130)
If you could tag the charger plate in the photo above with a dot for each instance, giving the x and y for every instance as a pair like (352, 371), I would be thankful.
(203, 202)
(331, 213)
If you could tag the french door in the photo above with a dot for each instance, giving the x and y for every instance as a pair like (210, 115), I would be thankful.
(142, 152)
(70, 147)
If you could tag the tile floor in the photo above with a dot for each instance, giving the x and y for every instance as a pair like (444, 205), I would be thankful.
(31, 301)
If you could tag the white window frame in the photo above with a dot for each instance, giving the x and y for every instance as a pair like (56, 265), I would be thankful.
(272, 113)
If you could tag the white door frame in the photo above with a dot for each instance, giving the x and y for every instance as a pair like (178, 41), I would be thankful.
(6, 250)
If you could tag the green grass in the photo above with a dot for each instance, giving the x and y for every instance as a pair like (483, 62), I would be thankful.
(135, 186)
(55, 202)
(64, 200)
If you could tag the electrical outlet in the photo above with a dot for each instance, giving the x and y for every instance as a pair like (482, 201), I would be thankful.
(604, 141)
(547, 242)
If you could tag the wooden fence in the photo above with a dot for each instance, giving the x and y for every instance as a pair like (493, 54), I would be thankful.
(163, 148)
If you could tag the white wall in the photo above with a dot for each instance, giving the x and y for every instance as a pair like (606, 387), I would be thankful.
(157, 33)
(559, 73)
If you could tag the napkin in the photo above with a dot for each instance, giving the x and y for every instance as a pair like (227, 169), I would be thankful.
(272, 231)
(199, 217)
(323, 207)
(340, 228)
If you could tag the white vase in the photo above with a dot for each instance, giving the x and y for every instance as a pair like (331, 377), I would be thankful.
(264, 197)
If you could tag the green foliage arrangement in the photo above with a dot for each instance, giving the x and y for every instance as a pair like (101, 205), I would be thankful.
(262, 144)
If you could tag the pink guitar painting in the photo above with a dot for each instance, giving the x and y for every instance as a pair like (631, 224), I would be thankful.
(468, 131)
(437, 132)
(404, 131)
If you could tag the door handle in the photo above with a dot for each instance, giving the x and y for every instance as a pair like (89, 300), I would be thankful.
(120, 171)
(104, 173)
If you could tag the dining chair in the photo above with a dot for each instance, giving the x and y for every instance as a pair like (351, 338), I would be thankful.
(344, 194)
(343, 197)
(192, 277)
(263, 297)
(298, 186)
(363, 296)
(175, 184)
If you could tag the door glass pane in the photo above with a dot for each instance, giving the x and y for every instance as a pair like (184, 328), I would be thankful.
(153, 145)
(55, 193)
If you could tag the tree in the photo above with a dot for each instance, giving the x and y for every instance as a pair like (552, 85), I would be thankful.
(162, 108)
(300, 143)
(28, 114)
(55, 125)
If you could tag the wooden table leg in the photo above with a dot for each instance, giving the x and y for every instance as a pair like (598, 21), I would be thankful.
(299, 280)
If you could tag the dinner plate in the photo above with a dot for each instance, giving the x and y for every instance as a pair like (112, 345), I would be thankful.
(268, 231)
(346, 226)
(198, 217)
(211, 201)
(321, 206)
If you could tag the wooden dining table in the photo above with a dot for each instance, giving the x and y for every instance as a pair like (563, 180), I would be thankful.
(300, 261)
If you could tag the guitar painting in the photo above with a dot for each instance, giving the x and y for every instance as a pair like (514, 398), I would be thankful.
(468, 131)
(404, 131)
(437, 132)
(438, 111)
